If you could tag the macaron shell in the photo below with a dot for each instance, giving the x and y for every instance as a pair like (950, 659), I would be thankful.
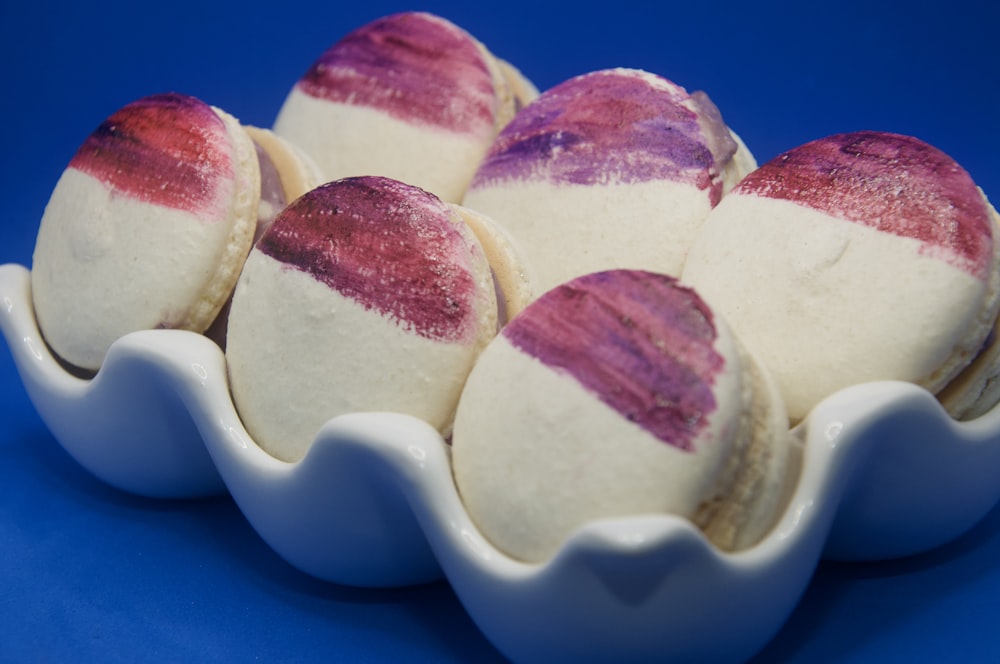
(897, 184)
(641, 345)
(409, 96)
(826, 303)
(115, 256)
(168, 150)
(540, 448)
(609, 170)
(299, 354)
(568, 230)
(349, 141)
(393, 248)
(616, 125)
(414, 66)
(324, 321)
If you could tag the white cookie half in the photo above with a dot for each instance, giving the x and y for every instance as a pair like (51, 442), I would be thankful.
(147, 227)
(366, 294)
(618, 394)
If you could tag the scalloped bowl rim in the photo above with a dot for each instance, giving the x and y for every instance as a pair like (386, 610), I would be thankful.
(614, 586)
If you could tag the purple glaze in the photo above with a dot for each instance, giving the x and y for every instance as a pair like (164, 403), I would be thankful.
(414, 66)
(169, 149)
(386, 245)
(640, 342)
(611, 126)
(896, 184)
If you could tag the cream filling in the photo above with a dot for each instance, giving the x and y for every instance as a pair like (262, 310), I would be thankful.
(748, 502)
(273, 199)
(513, 278)
(976, 389)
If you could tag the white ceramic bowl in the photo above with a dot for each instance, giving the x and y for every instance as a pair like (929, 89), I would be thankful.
(882, 472)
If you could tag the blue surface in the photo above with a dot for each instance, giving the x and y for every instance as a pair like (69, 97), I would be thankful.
(90, 574)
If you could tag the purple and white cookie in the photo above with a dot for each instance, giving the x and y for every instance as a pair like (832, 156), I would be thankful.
(410, 96)
(857, 257)
(366, 294)
(618, 393)
(147, 227)
(612, 169)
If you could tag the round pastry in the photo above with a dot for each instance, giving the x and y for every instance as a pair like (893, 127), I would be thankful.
(612, 169)
(409, 96)
(615, 394)
(857, 257)
(366, 294)
(149, 225)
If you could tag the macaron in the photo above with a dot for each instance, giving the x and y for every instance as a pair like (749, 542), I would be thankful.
(618, 393)
(857, 257)
(611, 169)
(149, 225)
(366, 294)
(409, 96)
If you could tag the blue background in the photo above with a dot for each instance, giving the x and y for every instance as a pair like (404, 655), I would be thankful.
(91, 574)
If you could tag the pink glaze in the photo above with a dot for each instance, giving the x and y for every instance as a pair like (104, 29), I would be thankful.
(415, 67)
(386, 245)
(170, 150)
(638, 341)
(897, 184)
